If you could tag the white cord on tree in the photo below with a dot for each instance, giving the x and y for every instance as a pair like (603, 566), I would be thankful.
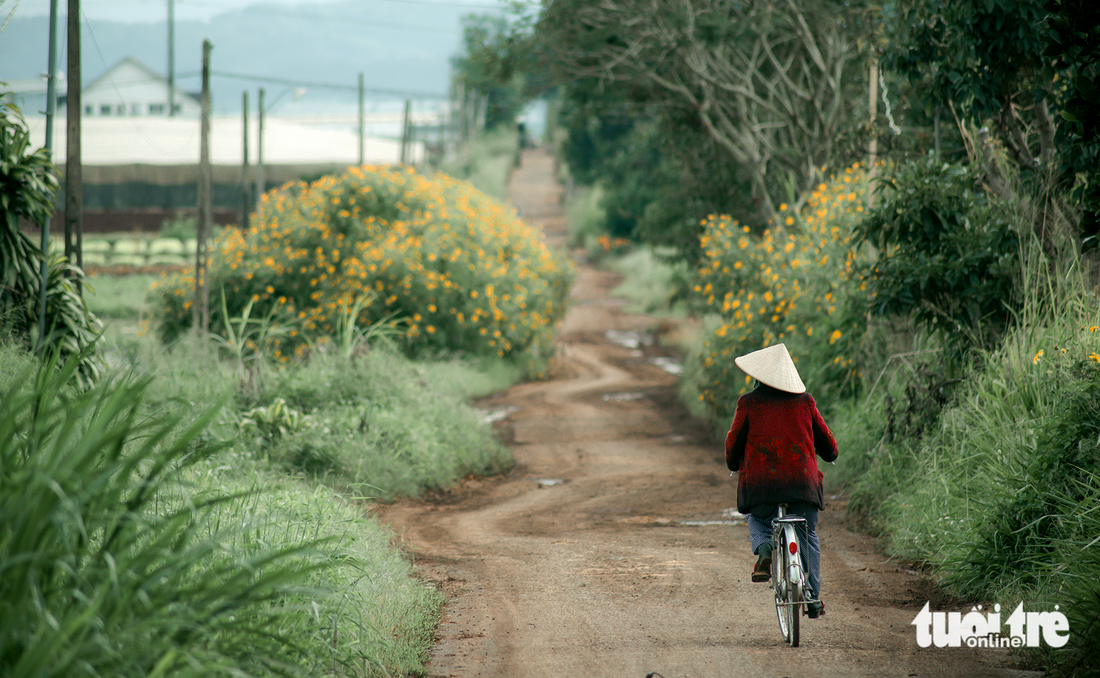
(889, 116)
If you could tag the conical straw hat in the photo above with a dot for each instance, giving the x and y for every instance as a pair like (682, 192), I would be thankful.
(772, 366)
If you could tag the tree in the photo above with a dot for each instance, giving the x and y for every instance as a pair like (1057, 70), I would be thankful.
(493, 66)
(1023, 72)
(771, 83)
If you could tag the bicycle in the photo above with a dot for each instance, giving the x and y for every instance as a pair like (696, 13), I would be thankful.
(788, 579)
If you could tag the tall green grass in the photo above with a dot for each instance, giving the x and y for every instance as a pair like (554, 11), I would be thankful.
(585, 218)
(489, 162)
(1000, 496)
(381, 426)
(653, 280)
(99, 575)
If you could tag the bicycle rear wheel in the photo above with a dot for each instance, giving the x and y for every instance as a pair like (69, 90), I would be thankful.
(788, 591)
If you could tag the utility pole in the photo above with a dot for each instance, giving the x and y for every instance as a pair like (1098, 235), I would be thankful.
(406, 132)
(246, 204)
(74, 174)
(200, 310)
(171, 58)
(260, 160)
(362, 140)
(51, 107)
(871, 169)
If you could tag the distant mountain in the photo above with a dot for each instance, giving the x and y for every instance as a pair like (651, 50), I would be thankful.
(398, 47)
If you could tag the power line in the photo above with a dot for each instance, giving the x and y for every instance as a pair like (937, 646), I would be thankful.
(350, 20)
(321, 85)
(458, 5)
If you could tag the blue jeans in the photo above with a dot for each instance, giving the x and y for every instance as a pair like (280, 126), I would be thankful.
(760, 532)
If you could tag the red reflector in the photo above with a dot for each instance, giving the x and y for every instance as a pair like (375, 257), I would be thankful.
(794, 547)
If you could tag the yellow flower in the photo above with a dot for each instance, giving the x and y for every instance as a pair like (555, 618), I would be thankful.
(834, 336)
(1094, 356)
(1037, 358)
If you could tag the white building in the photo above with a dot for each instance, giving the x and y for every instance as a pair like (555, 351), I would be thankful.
(131, 88)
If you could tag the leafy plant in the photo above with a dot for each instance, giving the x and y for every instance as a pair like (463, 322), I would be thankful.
(946, 257)
(274, 421)
(27, 188)
(105, 568)
(353, 339)
(245, 338)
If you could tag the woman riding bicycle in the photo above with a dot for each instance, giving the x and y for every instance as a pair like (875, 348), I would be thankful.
(772, 443)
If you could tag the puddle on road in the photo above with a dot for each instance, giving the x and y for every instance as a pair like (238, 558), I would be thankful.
(622, 397)
(729, 517)
(488, 417)
(549, 482)
(630, 339)
(668, 365)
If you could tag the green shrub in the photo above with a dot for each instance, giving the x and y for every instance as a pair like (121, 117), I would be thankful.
(946, 258)
(795, 283)
(461, 270)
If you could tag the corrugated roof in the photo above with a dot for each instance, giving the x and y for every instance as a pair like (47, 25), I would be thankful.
(175, 141)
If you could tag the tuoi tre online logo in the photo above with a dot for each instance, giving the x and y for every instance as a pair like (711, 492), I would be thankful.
(974, 629)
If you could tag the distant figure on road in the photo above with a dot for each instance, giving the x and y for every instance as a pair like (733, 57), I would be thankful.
(772, 443)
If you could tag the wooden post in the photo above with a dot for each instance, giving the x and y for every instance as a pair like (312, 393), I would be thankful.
(200, 311)
(51, 108)
(872, 170)
(246, 202)
(260, 159)
(362, 139)
(74, 175)
(171, 58)
(406, 130)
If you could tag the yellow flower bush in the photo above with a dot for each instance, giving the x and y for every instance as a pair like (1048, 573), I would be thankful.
(449, 267)
(793, 283)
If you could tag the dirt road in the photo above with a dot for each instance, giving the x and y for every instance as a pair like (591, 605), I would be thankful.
(610, 551)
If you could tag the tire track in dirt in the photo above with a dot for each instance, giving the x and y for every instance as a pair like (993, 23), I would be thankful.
(598, 574)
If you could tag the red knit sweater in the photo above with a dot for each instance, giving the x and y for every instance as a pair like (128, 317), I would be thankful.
(772, 443)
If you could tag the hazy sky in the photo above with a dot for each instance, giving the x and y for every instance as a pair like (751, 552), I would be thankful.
(142, 11)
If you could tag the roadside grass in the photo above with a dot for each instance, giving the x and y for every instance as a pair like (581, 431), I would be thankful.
(492, 157)
(381, 427)
(654, 284)
(584, 216)
(375, 426)
(1000, 496)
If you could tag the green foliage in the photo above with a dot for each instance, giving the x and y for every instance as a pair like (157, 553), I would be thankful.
(496, 64)
(946, 257)
(746, 100)
(653, 280)
(999, 494)
(1029, 67)
(378, 425)
(1070, 43)
(274, 421)
(657, 172)
(105, 572)
(978, 53)
(182, 227)
(795, 283)
(492, 157)
(27, 187)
